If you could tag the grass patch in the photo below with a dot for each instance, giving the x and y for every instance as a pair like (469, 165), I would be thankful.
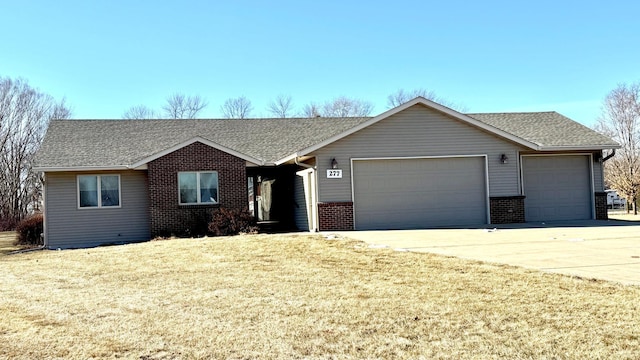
(7, 240)
(286, 296)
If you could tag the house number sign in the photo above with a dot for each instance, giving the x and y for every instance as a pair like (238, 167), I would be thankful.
(334, 174)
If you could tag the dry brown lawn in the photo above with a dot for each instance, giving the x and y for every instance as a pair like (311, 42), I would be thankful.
(301, 297)
(7, 238)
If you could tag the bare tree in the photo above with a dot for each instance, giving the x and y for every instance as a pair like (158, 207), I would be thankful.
(180, 106)
(24, 116)
(236, 108)
(281, 106)
(343, 106)
(140, 112)
(340, 106)
(401, 96)
(620, 120)
(311, 110)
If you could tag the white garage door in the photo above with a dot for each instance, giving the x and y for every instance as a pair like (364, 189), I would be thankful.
(419, 193)
(556, 187)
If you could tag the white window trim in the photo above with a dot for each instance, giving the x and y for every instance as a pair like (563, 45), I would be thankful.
(99, 190)
(198, 199)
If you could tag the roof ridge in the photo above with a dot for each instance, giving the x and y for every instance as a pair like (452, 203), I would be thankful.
(513, 112)
(223, 119)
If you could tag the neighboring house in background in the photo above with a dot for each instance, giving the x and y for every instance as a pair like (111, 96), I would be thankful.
(418, 165)
(614, 201)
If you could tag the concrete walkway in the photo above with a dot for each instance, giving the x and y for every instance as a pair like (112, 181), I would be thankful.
(607, 250)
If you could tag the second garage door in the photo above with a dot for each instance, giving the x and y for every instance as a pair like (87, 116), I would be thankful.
(419, 193)
(556, 187)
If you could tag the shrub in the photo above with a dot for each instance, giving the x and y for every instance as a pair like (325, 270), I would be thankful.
(232, 222)
(29, 230)
(7, 224)
(194, 223)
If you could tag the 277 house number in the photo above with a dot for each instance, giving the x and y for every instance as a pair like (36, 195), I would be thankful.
(334, 174)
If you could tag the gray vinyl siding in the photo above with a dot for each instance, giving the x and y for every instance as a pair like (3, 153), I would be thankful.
(598, 176)
(418, 131)
(300, 209)
(70, 227)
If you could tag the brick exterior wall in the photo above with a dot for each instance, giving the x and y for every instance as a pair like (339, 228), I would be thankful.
(335, 216)
(166, 215)
(601, 206)
(507, 209)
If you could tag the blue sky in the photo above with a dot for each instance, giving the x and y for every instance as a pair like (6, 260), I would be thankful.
(490, 56)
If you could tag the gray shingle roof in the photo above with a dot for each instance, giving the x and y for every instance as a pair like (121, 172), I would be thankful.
(84, 143)
(547, 129)
(113, 143)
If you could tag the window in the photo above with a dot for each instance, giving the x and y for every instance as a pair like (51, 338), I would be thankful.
(198, 187)
(97, 191)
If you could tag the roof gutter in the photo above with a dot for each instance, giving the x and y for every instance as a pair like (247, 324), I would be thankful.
(81, 168)
(576, 148)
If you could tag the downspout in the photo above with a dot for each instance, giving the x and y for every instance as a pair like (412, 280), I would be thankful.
(613, 153)
(45, 240)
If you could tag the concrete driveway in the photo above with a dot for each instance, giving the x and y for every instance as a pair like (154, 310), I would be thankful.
(607, 250)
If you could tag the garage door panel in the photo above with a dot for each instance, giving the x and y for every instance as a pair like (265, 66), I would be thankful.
(557, 187)
(418, 193)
